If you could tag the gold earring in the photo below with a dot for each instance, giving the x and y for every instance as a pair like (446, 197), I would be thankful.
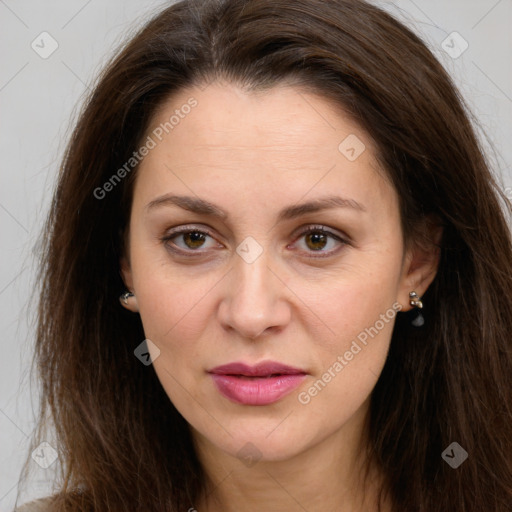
(415, 300)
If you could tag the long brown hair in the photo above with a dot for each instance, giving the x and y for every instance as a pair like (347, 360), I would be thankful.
(121, 442)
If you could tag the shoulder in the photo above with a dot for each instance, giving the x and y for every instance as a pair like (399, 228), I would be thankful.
(40, 505)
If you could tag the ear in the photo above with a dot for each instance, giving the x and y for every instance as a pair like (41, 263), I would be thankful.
(126, 275)
(421, 261)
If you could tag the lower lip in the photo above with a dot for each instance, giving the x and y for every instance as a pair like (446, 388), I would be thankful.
(256, 391)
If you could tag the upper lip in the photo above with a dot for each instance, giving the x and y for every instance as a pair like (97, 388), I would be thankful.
(263, 369)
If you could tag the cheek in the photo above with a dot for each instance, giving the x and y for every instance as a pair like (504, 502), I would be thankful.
(176, 308)
(353, 357)
(358, 314)
(170, 296)
(350, 361)
(355, 300)
(174, 312)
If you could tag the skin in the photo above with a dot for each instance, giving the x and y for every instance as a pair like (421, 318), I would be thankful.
(253, 154)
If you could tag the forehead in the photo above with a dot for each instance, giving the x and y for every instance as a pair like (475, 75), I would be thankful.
(274, 119)
(280, 137)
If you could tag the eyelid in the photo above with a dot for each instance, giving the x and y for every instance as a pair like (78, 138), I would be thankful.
(187, 228)
(305, 229)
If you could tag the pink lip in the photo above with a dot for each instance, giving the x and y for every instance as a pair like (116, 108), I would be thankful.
(262, 384)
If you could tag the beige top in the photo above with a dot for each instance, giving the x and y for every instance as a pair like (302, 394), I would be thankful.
(40, 505)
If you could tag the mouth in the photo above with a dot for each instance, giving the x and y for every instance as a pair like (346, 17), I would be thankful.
(262, 384)
(248, 377)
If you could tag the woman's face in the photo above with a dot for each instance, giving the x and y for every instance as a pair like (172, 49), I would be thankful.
(224, 270)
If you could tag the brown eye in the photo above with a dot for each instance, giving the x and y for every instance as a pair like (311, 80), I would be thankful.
(316, 241)
(193, 239)
(187, 240)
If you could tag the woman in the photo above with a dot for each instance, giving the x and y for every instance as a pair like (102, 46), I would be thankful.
(276, 273)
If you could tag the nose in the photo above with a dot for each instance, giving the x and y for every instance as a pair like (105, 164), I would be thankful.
(254, 298)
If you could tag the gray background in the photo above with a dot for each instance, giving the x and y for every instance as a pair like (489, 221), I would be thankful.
(38, 102)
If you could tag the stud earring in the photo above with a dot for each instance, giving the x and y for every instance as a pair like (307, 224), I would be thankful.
(125, 296)
(415, 301)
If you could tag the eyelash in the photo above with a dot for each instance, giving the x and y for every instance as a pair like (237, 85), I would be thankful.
(195, 253)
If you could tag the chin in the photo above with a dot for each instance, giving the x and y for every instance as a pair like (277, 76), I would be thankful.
(260, 446)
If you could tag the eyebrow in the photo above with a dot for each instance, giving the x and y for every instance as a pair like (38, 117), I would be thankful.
(202, 207)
